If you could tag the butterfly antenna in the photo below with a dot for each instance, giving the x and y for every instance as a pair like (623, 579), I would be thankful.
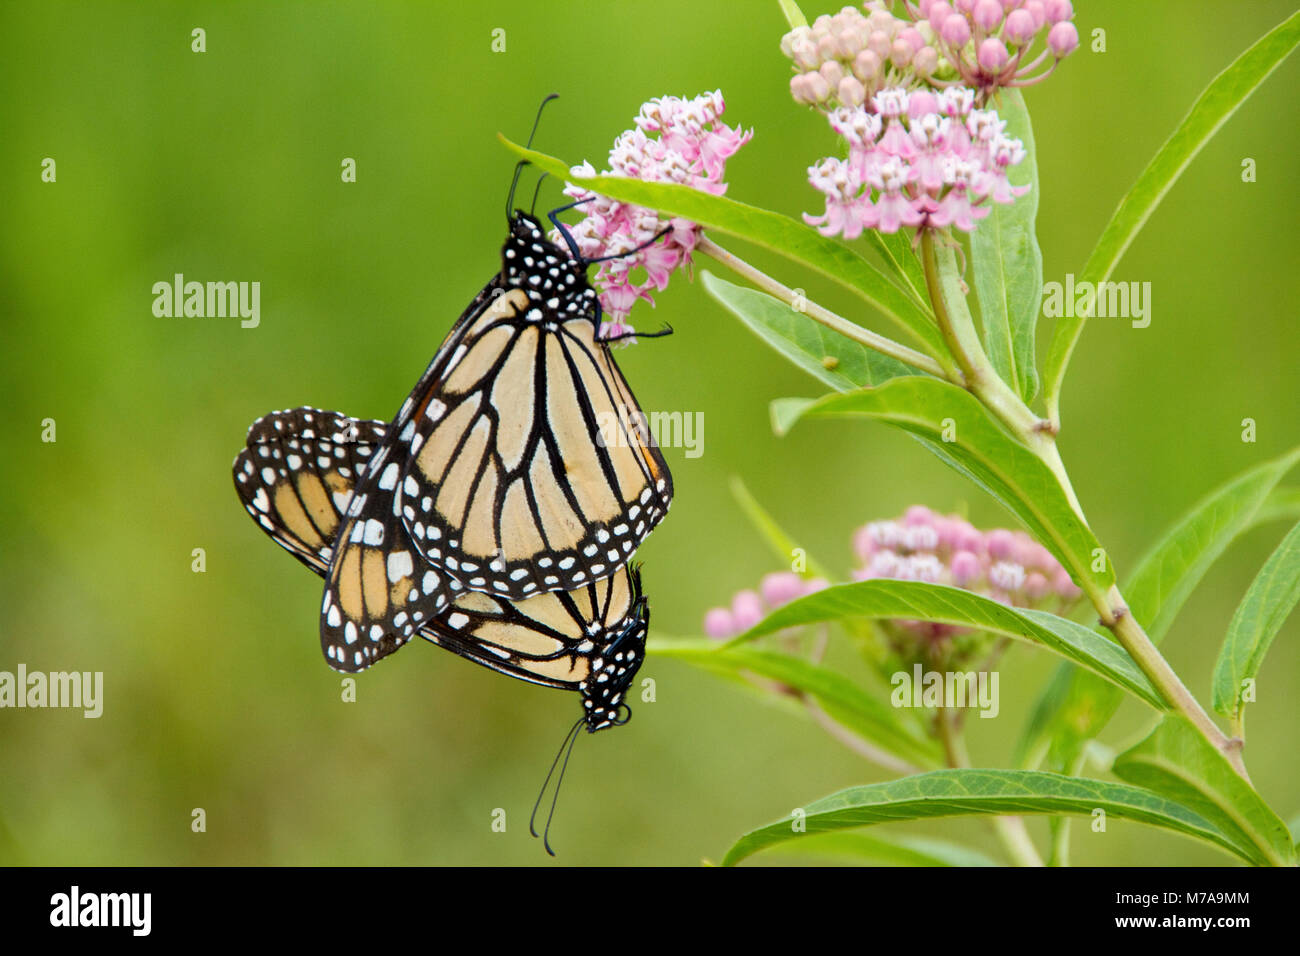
(554, 214)
(666, 330)
(566, 749)
(537, 191)
(519, 166)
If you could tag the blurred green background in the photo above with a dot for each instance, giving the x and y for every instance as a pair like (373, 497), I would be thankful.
(225, 165)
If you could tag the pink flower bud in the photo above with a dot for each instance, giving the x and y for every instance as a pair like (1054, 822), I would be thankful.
(747, 609)
(987, 15)
(847, 44)
(1065, 587)
(780, 587)
(826, 47)
(993, 55)
(719, 623)
(851, 91)
(940, 11)
(917, 514)
(965, 6)
(1001, 544)
(866, 66)
(926, 61)
(1063, 39)
(922, 103)
(912, 37)
(954, 31)
(803, 50)
(1036, 586)
(818, 89)
(815, 585)
(965, 568)
(864, 545)
(832, 73)
(799, 89)
(1035, 9)
(1058, 10)
(1020, 27)
(880, 43)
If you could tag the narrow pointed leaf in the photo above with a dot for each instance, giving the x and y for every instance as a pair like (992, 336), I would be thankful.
(833, 359)
(1179, 763)
(916, 600)
(1267, 604)
(946, 793)
(1211, 110)
(872, 849)
(1008, 266)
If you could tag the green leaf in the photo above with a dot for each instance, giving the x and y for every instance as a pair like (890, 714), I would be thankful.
(1178, 762)
(769, 230)
(946, 793)
(1162, 582)
(793, 15)
(1210, 111)
(917, 600)
(981, 450)
(870, 718)
(1267, 604)
(1282, 505)
(1008, 266)
(1171, 571)
(895, 248)
(835, 360)
(783, 546)
(869, 849)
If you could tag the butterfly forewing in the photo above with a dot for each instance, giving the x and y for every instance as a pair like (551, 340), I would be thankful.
(528, 465)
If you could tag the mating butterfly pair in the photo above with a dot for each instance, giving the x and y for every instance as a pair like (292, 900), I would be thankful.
(492, 516)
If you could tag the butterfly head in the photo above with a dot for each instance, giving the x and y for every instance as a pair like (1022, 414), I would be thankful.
(547, 274)
(612, 670)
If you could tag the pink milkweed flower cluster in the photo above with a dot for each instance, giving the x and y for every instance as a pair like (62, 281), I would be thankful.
(1007, 566)
(917, 159)
(675, 140)
(749, 607)
(845, 59)
(989, 43)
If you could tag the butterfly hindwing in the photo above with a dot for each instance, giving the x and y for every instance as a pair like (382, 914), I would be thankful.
(590, 639)
(296, 473)
(528, 466)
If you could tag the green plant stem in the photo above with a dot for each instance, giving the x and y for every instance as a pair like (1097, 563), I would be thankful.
(837, 323)
(1039, 437)
(1009, 829)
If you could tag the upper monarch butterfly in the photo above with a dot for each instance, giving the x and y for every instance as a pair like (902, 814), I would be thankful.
(520, 463)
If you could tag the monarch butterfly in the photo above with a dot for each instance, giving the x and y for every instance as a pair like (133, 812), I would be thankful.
(519, 464)
(297, 473)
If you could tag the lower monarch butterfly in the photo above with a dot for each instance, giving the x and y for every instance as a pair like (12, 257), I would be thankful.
(296, 476)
